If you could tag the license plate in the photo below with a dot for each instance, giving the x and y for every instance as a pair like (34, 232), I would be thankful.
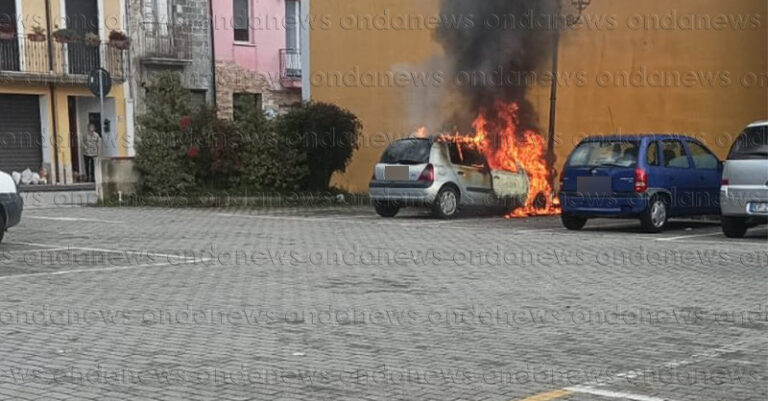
(396, 173)
(588, 185)
(758, 207)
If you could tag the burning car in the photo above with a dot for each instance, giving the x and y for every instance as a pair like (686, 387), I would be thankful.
(444, 175)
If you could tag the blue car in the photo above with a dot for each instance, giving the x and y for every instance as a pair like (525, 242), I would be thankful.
(645, 177)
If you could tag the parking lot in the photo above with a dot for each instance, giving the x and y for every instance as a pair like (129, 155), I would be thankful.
(337, 303)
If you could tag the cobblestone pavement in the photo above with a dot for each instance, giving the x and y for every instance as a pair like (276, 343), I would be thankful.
(337, 304)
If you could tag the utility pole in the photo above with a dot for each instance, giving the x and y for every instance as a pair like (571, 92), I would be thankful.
(570, 20)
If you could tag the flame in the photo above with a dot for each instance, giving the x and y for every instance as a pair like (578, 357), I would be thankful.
(421, 133)
(514, 149)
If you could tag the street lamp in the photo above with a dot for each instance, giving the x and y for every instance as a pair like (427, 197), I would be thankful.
(572, 18)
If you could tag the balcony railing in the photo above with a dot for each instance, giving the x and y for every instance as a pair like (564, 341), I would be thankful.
(163, 41)
(290, 65)
(36, 60)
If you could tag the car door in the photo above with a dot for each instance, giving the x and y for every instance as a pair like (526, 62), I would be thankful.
(708, 171)
(474, 176)
(681, 176)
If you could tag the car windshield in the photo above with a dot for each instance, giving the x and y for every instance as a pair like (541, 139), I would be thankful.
(605, 154)
(751, 144)
(408, 151)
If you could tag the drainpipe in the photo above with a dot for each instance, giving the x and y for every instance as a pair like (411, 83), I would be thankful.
(213, 51)
(52, 91)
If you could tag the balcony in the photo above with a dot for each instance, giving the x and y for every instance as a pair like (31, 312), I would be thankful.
(35, 61)
(165, 44)
(290, 68)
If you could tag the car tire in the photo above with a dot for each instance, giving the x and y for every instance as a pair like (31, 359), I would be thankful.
(655, 217)
(573, 223)
(734, 227)
(386, 209)
(446, 204)
(2, 225)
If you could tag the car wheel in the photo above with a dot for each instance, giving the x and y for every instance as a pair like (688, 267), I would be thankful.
(446, 204)
(656, 216)
(734, 227)
(386, 209)
(2, 226)
(572, 222)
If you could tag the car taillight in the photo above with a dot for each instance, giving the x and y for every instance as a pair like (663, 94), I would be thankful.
(725, 182)
(428, 174)
(641, 180)
(373, 177)
(562, 178)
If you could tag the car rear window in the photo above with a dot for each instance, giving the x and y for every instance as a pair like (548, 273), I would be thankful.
(605, 154)
(751, 144)
(408, 151)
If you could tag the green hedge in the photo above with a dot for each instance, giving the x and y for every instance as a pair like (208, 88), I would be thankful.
(184, 150)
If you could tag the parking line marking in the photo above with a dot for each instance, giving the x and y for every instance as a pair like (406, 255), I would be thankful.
(550, 395)
(23, 251)
(99, 270)
(613, 394)
(128, 251)
(72, 219)
(690, 236)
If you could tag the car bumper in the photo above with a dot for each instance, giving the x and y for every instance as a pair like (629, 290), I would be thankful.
(736, 201)
(13, 205)
(608, 205)
(405, 194)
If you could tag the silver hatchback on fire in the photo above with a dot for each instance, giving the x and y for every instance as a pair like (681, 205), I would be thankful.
(444, 176)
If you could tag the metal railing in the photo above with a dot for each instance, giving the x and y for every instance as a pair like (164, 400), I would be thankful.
(290, 64)
(30, 58)
(165, 41)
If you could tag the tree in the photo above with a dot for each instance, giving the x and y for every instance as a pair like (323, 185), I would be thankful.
(328, 136)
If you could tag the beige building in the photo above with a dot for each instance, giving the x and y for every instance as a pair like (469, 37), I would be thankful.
(696, 67)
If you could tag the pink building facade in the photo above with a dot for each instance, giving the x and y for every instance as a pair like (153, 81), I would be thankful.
(257, 49)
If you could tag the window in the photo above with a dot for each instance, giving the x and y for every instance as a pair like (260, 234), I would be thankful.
(703, 158)
(408, 151)
(674, 155)
(199, 97)
(618, 153)
(464, 155)
(751, 144)
(242, 16)
(245, 103)
(653, 154)
(292, 24)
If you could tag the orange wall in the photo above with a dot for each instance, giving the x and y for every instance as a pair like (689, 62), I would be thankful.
(587, 106)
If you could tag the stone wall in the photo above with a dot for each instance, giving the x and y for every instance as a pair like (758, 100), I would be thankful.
(196, 71)
(231, 79)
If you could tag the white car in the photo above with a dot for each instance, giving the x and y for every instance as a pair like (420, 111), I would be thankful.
(744, 186)
(11, 204)
(443, 176)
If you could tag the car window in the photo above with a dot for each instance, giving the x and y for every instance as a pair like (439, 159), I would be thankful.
(702, 157)
(466, 155)
(409, 151)
(607, 153)
(751, 144)
(674, 155)
(653, 154)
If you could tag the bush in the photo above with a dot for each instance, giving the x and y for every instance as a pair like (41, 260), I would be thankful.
(163, 149)
(269, 160)
(328, 135)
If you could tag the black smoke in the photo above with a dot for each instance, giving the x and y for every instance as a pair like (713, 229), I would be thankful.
(496, 38)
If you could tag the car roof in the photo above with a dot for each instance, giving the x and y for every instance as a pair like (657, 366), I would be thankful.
(758, 124)
(635, 137)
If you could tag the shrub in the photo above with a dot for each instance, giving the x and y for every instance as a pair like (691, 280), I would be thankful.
(165, 151)
(269, 160)
(328, 136)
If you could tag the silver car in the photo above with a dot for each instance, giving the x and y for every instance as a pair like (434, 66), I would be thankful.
(744, 190)
(443, 176)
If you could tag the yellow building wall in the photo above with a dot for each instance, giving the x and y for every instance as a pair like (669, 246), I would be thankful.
(714, 113)
(33, 13)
